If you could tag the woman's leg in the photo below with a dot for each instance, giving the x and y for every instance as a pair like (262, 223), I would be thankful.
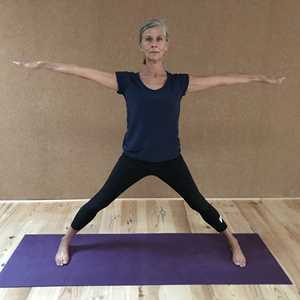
(177, 175)
(125, 173)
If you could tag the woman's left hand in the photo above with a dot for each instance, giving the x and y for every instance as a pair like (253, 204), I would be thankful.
(273, 80)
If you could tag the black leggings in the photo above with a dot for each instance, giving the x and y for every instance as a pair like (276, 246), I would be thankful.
(127, 171)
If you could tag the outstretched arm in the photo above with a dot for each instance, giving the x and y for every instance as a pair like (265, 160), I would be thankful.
(106, 79)
(197, 83)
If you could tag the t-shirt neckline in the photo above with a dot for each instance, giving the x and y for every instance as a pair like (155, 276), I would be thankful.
(153, 90)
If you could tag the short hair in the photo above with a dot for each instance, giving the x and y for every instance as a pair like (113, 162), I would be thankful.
(155, 22)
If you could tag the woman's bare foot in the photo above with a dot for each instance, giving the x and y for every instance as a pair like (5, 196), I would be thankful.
(238, 257)
(237, 254)
(62, 255)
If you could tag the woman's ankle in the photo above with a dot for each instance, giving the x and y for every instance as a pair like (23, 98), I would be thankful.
(69, 235)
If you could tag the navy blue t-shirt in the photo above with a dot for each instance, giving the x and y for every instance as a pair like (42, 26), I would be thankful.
(152, 116)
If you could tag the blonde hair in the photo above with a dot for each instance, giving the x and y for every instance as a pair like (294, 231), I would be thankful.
(150, 24)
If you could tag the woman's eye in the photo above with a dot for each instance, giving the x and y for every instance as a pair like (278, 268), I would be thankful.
(149, 39)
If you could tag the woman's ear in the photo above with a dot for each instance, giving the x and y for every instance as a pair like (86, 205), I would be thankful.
(168, 45)
(140, 48)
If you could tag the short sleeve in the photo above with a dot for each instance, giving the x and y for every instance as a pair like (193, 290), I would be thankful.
(122, 80)
(183, 82)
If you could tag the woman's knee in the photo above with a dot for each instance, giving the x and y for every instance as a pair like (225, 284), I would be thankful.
(96, 204)
(199, 204)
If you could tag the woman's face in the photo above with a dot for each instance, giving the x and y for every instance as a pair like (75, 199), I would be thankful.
(154, 44)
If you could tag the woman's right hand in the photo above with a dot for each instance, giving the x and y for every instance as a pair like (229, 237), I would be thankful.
(31, 65)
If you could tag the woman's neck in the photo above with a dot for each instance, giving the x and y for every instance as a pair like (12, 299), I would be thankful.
(153, 70)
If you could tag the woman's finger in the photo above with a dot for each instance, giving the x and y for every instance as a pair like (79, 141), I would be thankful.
(34, 64)
(279, 80)
(276, 81)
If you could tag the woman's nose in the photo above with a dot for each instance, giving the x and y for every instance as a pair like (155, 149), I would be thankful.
(153, 44)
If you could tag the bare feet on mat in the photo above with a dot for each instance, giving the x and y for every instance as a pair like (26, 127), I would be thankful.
(238, 257)
(62, 255)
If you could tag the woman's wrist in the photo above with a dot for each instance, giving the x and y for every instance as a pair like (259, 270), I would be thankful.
(50, 65)
(259, 78)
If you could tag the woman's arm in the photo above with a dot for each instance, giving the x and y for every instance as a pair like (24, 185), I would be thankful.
(106, 79)
(197, 83)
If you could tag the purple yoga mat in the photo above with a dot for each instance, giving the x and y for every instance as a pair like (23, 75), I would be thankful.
(140, 259)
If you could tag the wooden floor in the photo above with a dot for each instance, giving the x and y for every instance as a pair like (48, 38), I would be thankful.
(276, 221)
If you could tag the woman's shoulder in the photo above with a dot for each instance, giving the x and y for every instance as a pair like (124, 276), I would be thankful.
(126, 72)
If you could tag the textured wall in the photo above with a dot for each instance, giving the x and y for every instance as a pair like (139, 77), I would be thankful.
(61, 135)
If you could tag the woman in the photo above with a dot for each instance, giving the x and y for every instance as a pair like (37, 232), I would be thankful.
(151, 145)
